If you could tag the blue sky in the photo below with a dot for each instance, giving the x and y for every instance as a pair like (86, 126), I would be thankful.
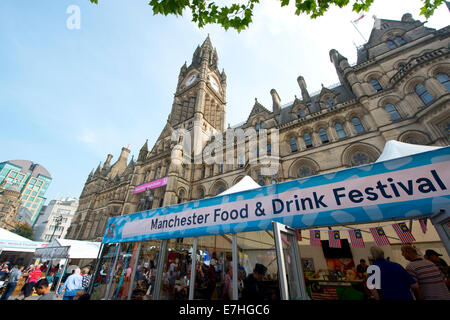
(70, 97)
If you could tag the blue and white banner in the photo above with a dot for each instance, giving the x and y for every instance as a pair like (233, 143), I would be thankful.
(413, 186)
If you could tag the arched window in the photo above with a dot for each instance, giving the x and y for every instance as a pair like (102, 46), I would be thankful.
(400, 40)
(376, 85)
(261, 180)
(167, 169)
(183, 170)
(304, 171)
(157, 172)
(300, 113)
(257, 126)
(340, 130)
(393, 113)
(323, 135)
(293, 143)
(358, 125)
(360, 158)
(241, 161)
(391, 44)
(180, 196)
(269, 149)
(423, 94)
(261, 124)
(220, 189)
(444, 79)
(308, 141)
(329, 102)
(221, 168)
(201, 193)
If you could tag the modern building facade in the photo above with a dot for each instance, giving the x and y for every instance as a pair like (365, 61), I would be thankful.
(32, 181)
(55, 219)
(399, 89)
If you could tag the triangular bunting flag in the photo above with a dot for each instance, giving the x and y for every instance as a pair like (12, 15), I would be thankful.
(334, 239)
(379, 236)
(314, 239)
(403, 233)
(356, 238)
(423, 224)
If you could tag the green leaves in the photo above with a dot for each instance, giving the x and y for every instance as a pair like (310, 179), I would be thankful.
(239, 16)
(429, 6)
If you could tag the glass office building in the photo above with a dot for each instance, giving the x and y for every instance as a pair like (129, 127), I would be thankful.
(33, 180)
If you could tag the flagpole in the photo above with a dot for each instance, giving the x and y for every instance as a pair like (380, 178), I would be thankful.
(358, 30)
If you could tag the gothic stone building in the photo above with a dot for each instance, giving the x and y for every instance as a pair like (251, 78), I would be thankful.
(397, 90)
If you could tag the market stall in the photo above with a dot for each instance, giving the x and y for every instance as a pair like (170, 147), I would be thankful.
(17, 249)
(68, 254)
(233, 231)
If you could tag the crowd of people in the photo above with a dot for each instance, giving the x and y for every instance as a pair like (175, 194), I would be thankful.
(41, 280)
(425, 277)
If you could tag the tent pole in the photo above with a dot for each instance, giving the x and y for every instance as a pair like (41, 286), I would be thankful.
(235, 268)
(133, 273)
(97, 265)
(112, 271)
(62, 274)
(193, 270)
(161, 261)
(440, 221)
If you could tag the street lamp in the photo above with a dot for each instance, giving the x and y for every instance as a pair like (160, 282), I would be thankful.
(58, 222)
(147, 200)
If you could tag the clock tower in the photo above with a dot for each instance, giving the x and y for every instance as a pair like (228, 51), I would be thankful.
(201, 91)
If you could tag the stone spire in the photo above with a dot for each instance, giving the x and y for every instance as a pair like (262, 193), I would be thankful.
(143, 152)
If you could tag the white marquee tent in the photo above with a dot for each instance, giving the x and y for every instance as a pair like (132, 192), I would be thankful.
(246, 183)
(395, 149)
(10, 241)
(72, 249)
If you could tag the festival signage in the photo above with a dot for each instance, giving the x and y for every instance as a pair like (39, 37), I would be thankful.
(413, 186)
(17, 244)
(151, 185)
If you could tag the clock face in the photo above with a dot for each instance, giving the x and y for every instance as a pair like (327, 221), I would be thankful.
(214, 83)
(191, 79)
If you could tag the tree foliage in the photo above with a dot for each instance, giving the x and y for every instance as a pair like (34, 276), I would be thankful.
(24, 229)
(238, 16)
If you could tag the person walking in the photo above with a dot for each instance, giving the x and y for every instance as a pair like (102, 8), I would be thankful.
(13, 279)
(4, 272)
(433, 256)
(86, 278)
(396, 282)
(431, 281)
(252, 284)
(72, 284)
(33, 277)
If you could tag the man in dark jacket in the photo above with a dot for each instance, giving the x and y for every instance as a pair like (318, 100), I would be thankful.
(252, 284)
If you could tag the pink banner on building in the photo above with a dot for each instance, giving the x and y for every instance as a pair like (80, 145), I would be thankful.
(151, 185)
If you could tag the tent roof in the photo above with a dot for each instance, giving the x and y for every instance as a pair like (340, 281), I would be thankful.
(8, 235)
(395, 149)
(246, 183)
(9, 241)
(80, 249)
